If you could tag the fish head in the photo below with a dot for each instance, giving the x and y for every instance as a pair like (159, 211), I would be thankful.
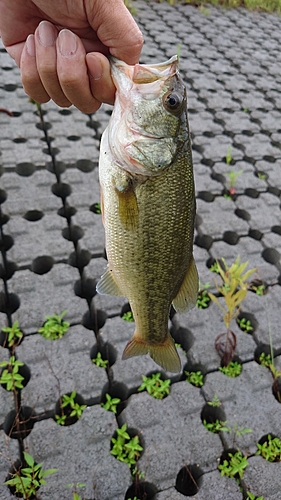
(148, 127)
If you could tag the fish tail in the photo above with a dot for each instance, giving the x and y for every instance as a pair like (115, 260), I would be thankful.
(164, 354)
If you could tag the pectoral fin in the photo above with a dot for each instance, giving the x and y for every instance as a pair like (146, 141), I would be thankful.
(164, 354)
(127, 201)
(107, 284)
(188, 293)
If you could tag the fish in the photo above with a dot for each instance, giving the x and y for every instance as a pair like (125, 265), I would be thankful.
(148, 204)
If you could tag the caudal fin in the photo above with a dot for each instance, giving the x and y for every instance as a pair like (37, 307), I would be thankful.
(165, 354)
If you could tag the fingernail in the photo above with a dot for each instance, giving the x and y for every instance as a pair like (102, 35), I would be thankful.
(30, 45)
(46, 33)
(67, 43)
(96, 69)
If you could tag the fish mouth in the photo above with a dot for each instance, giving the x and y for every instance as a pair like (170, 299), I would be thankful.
(141, 74)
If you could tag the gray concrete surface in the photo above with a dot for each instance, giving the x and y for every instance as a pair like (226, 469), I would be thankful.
(230, 61)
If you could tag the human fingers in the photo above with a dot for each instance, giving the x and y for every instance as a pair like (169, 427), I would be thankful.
(46, 62)
(29, 74)
(74, 77)
(116, 29)
(101, 84)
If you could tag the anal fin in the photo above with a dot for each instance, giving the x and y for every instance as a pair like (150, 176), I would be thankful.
(188, 293)
(107, 284)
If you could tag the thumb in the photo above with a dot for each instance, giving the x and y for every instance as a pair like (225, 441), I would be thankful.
(116, 29)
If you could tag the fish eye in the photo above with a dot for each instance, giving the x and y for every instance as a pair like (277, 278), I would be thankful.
(172, 101)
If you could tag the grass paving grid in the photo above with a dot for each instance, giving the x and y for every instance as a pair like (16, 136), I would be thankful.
(229, 61)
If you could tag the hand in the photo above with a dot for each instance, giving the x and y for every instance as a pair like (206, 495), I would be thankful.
(61, 47)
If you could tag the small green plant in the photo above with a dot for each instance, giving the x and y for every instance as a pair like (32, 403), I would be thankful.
(179, 346)
(262, 176)
(60, 419)
(245, 325)
(155, 386)
(251, 496)
(14, 334)
(203, 298)
(232, 178)
(245, 110)
(234, 466)
(97, 208)
(270, 449)
(195, 378)
(217, 426)
(258, 289)
(111, 403)
(54, 326)
(228, 156)
(74, 487)
(102, 363)
(215, 401)
(28, 480)
(125, 448)
(233, 369)
(128, 316)
(77, 409)
(10, 376)
(265, 359)
(215, 268)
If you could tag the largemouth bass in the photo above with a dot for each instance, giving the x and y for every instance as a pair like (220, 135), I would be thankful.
(148, 204)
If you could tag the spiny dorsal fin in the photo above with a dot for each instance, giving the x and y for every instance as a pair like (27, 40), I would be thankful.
(107, 284)
(188, 293)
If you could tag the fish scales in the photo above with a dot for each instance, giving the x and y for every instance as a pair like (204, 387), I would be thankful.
(148, 214)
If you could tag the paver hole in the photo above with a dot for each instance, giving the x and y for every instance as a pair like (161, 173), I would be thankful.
(10, 87)
(276, 229)
(4, 218)
(203, 241)
(141, 490)
(256, 234)
(189, 480)
(19, 140)
(23, 371)
(42, 264)
(69, 414)
(242, 214)
(271, 255)
(65, 112)
(94, 320)
(231, 237)
(247, 322)
(85, 165)
(107, 351)
(51, 151)
(25, 169)
(252, 193)
(19, 424)
(116, 390)
(132, 432)
(85, 288)
(8, 270)
(263, 354)
(73, 233)
(182, 336)
(274, 190)
(6, 242)
(276, 388)
(194, 373)
(67, 212)
(33, 215)
(96, 208)
(44, 126)
(79, 259)
(58, 168)
(73, 138)
(3, 196)
(211, 414)
(206, 196)
(269, 159)
(61, 189)
(261, 175)
(9, 303)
